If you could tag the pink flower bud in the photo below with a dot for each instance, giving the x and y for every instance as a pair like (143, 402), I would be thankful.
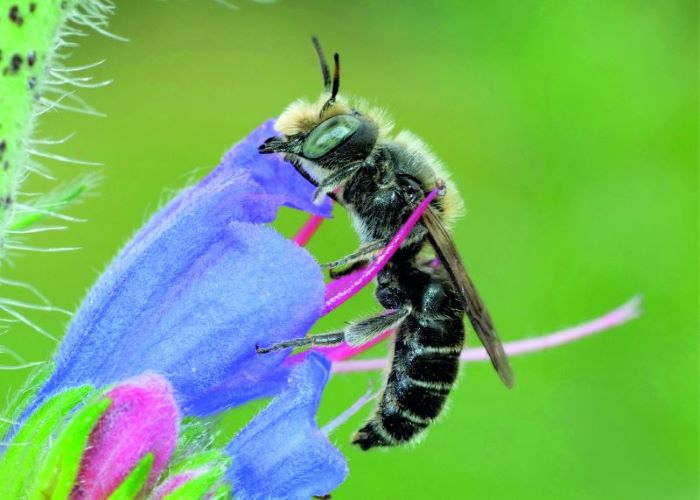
(143, 418)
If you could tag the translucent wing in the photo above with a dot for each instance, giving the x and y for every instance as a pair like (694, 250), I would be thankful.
(479, 317)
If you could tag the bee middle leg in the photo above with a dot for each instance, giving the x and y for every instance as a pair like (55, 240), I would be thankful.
(354, 260)
(356, 333)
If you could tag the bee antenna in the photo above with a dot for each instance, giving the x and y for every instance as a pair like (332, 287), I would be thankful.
(336, 76)
(336, 85)
(322, 61)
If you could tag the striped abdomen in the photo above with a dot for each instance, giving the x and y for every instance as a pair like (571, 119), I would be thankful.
(424, 369)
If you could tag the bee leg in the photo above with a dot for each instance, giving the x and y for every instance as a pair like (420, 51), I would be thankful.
(335, 179)
(273, 145)
(339, 272)
(357, 333)
(361, 332)
(362, 254)
(313, 341)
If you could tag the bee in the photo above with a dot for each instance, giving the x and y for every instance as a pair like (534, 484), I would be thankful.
(348, 153)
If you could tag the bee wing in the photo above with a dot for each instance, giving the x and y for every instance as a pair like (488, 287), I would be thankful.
(479, 317)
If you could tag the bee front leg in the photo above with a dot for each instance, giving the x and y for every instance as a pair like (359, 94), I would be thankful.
(336, 179)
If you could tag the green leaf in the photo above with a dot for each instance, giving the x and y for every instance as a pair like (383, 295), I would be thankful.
(57, 474)
(19, 464)
(135, 481)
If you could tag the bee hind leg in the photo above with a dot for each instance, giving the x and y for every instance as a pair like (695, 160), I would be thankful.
(334, 338)
(357, 333)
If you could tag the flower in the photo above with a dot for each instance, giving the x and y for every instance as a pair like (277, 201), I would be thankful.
(188, 299)
(197, 287)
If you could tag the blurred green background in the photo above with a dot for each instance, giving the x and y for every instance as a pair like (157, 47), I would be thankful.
(572, 131)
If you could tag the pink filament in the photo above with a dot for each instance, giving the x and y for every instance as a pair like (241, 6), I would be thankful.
(340, 290)
(308, 230)
(617, 317)
(347, 414)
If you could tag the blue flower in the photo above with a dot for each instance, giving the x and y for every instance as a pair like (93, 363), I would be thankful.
(282, 453)
(191, 295)
(198, 286)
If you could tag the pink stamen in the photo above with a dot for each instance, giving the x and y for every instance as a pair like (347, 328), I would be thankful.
(308, 230)
(617, 317)
(340, 290)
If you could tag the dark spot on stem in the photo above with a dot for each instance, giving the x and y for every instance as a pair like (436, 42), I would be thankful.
(31, 58)
(15, 63)
(32, 7)
(15, 16)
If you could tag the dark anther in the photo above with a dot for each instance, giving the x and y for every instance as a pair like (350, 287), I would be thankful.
(31, 58)
(7, 201)
(32, 82)
(6, 165)
(3, 146)
(32, 7)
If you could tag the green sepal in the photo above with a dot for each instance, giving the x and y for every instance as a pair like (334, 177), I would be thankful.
(224, 491)
(194, 436)
(18, 466)
(57, 474)
(211, 459)
(135, 481)
(198, 487)
(213, 463)
(14, 410)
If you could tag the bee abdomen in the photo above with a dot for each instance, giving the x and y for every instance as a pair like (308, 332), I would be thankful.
(416, 390)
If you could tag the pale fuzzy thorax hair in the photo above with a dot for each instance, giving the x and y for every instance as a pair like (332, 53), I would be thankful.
(302, 115)
(452, 202)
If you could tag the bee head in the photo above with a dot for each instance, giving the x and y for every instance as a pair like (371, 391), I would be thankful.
(327, 133)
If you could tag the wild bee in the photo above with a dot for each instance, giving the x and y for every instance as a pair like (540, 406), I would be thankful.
(347, 153)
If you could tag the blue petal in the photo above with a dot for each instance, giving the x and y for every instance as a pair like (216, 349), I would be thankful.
(282, 453)
(198, 286)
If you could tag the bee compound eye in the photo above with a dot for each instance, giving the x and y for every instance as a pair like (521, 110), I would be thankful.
(330, 134)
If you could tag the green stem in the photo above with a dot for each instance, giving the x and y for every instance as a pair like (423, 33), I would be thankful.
(28, 35)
